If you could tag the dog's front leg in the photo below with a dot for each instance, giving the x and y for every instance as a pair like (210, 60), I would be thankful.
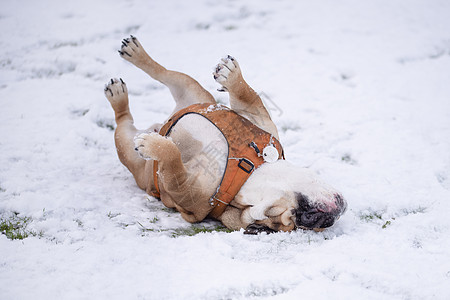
(232, 219)
(179, 188)
(243, 99)
(162, 149)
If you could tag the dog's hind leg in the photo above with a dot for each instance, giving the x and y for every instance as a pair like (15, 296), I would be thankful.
(117, 94)
(243, 99)
(185, 90)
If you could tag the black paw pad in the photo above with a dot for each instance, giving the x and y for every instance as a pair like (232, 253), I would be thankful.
(257, 228)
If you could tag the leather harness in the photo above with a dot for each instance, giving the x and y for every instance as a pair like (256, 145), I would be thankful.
(244, 155)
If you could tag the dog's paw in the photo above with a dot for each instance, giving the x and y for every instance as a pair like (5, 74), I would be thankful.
(152, 145)
(115, 88)
(227, 73)
(116, 92)
(258, 228)
(131, 50)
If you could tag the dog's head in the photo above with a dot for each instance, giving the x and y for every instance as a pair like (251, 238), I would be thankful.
(282, 197)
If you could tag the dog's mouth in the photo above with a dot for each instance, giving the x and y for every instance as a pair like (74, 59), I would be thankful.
(318, 217)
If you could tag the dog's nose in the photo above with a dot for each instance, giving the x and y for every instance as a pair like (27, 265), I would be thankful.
(318, 216)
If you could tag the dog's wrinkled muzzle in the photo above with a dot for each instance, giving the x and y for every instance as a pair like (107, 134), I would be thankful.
(319, 216)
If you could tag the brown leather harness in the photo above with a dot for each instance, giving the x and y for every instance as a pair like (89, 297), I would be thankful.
(245, 143)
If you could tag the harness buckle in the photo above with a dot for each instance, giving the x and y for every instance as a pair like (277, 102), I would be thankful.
(246, 165)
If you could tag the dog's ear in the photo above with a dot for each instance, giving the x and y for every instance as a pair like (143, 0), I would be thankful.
(258, 228)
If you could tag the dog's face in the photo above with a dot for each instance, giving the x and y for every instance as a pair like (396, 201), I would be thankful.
(318, 215)
(282, 197)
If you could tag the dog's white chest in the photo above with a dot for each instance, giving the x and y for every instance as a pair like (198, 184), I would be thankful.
(203, 147)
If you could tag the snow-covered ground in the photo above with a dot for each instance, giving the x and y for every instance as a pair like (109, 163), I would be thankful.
(363, 91)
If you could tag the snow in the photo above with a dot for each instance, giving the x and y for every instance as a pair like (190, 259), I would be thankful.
(365, 97)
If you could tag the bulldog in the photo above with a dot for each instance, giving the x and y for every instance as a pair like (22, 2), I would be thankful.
(211, 161)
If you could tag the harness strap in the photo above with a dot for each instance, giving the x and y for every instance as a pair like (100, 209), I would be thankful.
(242, 137)
(156, 192)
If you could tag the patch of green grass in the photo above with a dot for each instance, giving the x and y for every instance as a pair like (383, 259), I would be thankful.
(376, 217)
(15, 227)
(191, 231)
(145, 229)
(371, 217)
(386, 224)
(154, 220)
(169, 210)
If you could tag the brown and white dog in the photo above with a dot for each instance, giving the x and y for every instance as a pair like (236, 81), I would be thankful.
(276, 197)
